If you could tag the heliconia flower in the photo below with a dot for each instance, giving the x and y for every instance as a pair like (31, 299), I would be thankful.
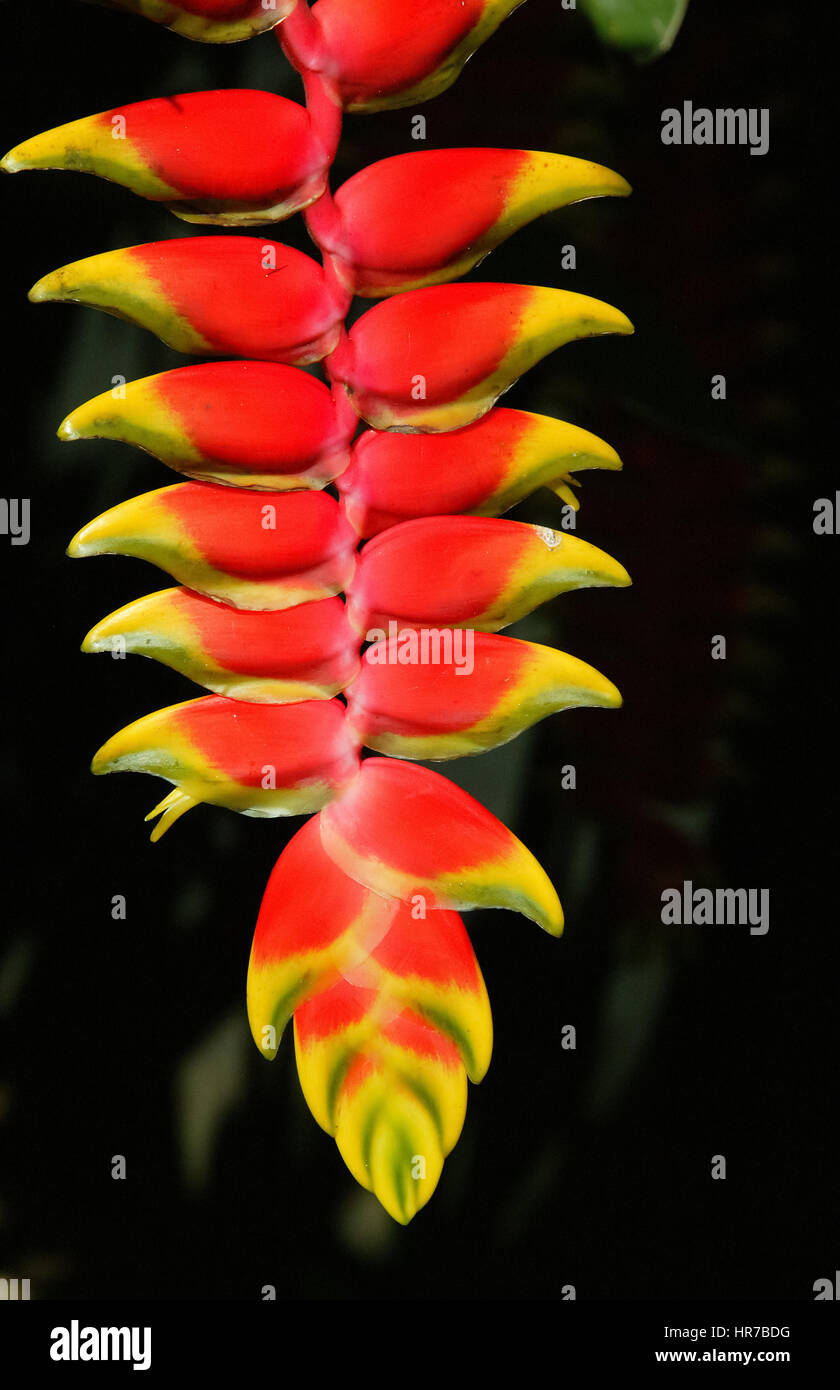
(212, 296)
(304, 653)
(253, 550)
(385, 54)
(382, 239)
(483, 469)
(210, 21)
(234, 158)
(246, 424)
(426, 963)
(444, 693)
(261, 760)
(358, 940)
(469, 571)
(405, 831)
(439, 358)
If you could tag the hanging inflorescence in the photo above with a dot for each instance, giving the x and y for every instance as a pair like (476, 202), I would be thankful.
(359, 938)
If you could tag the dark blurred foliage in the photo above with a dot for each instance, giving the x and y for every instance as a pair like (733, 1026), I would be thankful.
(589, 1167)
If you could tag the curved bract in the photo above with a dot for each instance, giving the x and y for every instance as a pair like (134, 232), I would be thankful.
(307, 652)
(226, 157)
(496, 572)
(450, 853)
(244, 424)
(483, 469)
(261, 760)
(325, 628)
(439, 358)
(433, 694)
(381, 241)
(211, 296)
(250, 549)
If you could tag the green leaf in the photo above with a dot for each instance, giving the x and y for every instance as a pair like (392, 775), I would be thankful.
(644, 28)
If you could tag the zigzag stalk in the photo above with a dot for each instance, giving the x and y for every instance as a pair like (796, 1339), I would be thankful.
(359, 938)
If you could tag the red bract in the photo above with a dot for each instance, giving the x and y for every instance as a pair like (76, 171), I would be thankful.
(381, 239)
(358, 940)
(443, 692)
(247, 424)
(229, 157)
(301, 653)
(262, 760)
(211, 296)
(448, 851)
(496, 571)
(254, 550)
(484, 468)
(439, 358)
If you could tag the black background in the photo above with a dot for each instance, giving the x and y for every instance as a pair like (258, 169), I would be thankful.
(592, 1167)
